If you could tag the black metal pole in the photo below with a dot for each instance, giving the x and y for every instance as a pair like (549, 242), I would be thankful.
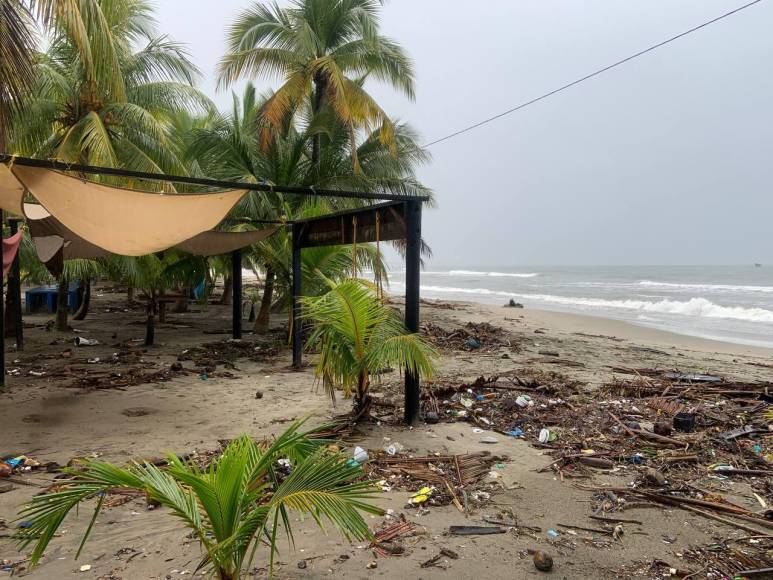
(296, 304)
(14, 290)
(2, 314)
(236, 285)
(219, 183)
(412, 283)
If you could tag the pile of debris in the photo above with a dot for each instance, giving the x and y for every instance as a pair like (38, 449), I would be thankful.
(463, 480)
(212, 354)
(472, 336)
(744, 558)
(668, 429)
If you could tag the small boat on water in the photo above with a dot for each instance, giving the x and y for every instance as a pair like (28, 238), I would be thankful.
(757, 265)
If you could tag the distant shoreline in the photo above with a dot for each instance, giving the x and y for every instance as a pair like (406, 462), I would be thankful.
(587, 323)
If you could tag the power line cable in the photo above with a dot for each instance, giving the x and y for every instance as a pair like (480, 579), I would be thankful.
(590, 76)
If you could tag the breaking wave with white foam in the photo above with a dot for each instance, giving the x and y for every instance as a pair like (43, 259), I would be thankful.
(696, 307)
(706, 287)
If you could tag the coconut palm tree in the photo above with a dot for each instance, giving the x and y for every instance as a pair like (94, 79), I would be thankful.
(230, 506)
(17, 53)
(229, 147)
(106, 102)
(322, 50)
(358, 337)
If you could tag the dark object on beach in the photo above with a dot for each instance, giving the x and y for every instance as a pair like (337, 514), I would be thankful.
(513, 304)
(431, 417)
(450, 554)
(655, 477)
(741, 432)
(597, 462)
(475, 530)
(176, 367)
(684, 422)
(662, 428)
(632, 425)
(542, 561)
(258, 394)
(302, 564)
(549, 353)
(5, 469)
(473, 342)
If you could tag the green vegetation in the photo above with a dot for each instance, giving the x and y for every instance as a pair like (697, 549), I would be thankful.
(109, 89)
(240, 499)
(359, 338)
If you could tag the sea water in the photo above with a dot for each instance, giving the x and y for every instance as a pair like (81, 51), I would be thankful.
(729, 303)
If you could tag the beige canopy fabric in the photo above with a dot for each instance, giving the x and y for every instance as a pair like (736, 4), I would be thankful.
(124, 221)
(51, 236)
(215, 243)
(11, 191)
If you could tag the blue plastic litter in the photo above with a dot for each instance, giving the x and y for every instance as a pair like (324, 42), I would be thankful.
(25, 524)
(479, 397)
(552, 534)
(517, 432)
(473, 342)
(14, 463)
(636, 459)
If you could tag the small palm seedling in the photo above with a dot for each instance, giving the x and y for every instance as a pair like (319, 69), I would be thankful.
(239, 500)
(358, 337)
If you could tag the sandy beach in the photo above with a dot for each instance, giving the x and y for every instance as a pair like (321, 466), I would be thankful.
(71, 411)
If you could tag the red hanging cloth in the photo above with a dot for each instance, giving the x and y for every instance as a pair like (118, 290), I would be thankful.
(10, 248)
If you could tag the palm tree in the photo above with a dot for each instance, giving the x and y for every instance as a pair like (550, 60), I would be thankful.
(17, 53)
(98, 100)
(229, 147)
(358, 338)
(105, 102)
(240, 499)
(153, 275)
(323, 50)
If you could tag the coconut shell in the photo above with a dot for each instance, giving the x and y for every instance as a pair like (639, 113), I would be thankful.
(542, 561)
(5, 470)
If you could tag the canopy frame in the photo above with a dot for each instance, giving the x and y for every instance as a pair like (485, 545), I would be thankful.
(399, 217)
(396, 220)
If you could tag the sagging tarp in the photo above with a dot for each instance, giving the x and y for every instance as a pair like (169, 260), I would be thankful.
(124, 221)
(11, 191)
(52, 236)
(55, 242)
(214, 243)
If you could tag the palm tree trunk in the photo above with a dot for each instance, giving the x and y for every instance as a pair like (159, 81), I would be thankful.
(320, 88)
(150, 322)
(227, 286)
(362, 399)
(130, 295)
(61, 304)
(264, 316)
(83, 309)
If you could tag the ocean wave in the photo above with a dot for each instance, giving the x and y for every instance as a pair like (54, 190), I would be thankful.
(493, 274)
(706, 287)
(697, 307)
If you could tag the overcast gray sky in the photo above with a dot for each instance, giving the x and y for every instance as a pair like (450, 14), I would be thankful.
(665, 160)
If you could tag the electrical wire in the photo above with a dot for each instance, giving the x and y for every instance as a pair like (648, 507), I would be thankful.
(591, 75)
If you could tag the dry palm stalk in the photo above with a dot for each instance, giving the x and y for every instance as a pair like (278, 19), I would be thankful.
(388, 534)
(647, 435)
